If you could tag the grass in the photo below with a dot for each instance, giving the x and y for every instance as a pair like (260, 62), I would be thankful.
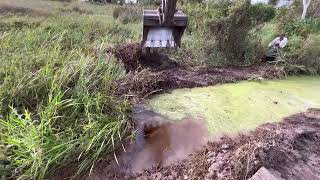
(56, 86)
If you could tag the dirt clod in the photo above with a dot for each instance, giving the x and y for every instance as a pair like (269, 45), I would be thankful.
(134, 58)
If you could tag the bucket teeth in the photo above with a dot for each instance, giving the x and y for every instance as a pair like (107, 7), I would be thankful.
(160, 37)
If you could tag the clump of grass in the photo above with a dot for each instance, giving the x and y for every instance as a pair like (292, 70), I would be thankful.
(76, 9)
(57, 96)
(6, 9)
(63, 114)
(128, 14)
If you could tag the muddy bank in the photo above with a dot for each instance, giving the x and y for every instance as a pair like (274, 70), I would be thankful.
(290, 148)
(156, 73)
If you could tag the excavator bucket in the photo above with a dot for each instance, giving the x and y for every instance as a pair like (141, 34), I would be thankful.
(157, 34)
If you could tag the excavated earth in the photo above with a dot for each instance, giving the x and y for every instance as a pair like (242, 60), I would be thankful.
(156, 72)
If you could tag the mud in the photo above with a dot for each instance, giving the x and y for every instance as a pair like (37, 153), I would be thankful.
(159, 142)
(290, 148)
(133, 58)
(156, 73)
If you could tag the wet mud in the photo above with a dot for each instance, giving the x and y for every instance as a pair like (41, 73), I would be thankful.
(290, 148)
(159, 142)
(133, 58)
(157, 73)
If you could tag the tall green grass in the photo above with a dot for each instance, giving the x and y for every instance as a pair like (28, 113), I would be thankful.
(57, 92)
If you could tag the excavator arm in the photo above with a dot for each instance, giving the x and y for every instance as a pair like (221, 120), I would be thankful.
(169, 7)
(163, 27)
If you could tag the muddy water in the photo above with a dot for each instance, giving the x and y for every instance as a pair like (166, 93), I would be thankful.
(233, 108)
(160, 141)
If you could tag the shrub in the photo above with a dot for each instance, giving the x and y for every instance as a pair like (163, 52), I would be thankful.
(294, 46)
(267, 33)
(150, 2)
(261, 13)
(223, 36)
(310, 54)
(6, 9)
(300, 27)
(232, 32)
(75, 9)
(57, 101)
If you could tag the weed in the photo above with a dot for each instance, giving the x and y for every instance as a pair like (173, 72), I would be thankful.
(57, 96)
(128, 14)
(5, 9)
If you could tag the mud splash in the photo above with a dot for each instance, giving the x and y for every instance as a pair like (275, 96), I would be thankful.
(159, 142)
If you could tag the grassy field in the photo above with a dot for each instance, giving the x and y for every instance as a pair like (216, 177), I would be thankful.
(57, 104)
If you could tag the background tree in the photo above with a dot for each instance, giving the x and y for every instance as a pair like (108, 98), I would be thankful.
(273, 2)
(306, 4)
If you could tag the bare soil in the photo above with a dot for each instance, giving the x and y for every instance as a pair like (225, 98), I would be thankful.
(290, 148)
(155, 73)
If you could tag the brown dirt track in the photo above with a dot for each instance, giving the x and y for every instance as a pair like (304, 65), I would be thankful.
(290, 147)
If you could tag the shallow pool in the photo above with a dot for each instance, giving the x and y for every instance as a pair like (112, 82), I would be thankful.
(239, 107)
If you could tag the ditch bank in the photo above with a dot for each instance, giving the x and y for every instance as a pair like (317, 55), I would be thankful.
(289, 149)
(157, 73)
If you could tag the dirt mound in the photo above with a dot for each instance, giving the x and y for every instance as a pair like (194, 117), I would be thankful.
(142, 84)
(133, 59)
(291, 148)
(154, 73)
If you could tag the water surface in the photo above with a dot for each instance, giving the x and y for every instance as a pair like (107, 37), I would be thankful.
(239, 107)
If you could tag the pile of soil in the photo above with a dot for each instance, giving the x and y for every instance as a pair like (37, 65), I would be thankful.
(133, 58)
(155, 73)
(290, 148)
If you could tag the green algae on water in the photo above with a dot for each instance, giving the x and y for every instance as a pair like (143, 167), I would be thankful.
(240, 107)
